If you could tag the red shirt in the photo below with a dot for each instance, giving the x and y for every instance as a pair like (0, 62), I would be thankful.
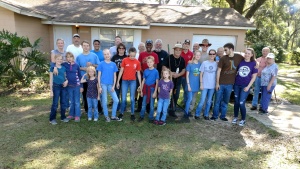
(187, 57)
(130, 68)
(143, 59)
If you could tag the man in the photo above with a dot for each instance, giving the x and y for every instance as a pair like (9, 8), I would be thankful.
(262, 63)
(187, 56)
(97, 51)
(227, 69)
(177, 66)
(75, 48)
(162, 54)
(204, 50)
(141, 48)
(85, 60)
(113, 49)
(196, 47)
(220, 53)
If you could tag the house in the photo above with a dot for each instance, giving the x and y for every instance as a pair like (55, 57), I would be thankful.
(52, 19)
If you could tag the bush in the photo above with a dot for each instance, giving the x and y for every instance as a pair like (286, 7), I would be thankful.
(20, 60)
(295, 57)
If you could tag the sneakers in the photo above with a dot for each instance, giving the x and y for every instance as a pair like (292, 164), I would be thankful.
(70, 117)
(89, 119)
(161, 123)
(242, 123)
(151, 121)
(224, 119)
(140, 119)
(120, 116)
(115, 119)
(53, 122)
(234, 120)
(107, 119)
(66, 120)
(206, 117)
(77, 119)
(155, 122)
(197, 117)
(253, 108)
(132, 117)
(95, 119)
(213, 118)
(190, 114)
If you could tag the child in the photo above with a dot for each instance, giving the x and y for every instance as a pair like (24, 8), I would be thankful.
(192, 80)
(107, 81)
(92, 92)
(165, 88)
(246, 76)
(58, 85)
(74, 86)
(130, 66)
(149, 88)
(207, 84)
(268, 82)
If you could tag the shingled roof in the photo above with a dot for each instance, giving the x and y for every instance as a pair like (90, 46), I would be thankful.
(114, 13)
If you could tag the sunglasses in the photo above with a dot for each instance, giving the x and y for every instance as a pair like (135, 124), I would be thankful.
(204, 45)
(212, 54)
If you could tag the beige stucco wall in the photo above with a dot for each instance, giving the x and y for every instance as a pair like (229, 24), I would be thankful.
(7, 20)
(172, 35)
(33, 29)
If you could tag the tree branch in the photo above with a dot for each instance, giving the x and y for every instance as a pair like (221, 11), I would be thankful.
(254, 8)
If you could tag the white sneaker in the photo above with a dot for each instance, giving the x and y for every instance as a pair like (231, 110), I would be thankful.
(234, 120)
(107, 119)
(95, 119)
(242, 123)
(89, 119)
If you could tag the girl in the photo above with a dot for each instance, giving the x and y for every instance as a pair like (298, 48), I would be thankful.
(268, 82)
(74, 86)
(92, 92)
(58, 85)
(149, 88)
(207, 84)
(246, 76)
(107, 80)
(130, 66)
(165, 88)
(192, 80)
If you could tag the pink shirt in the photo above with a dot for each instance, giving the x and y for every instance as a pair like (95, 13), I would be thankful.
(262, 62)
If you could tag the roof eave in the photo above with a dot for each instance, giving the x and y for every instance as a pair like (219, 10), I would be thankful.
(203, 26)
(22, 12)
(97, 25)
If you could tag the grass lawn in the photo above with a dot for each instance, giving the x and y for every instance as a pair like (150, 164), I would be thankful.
(289, 83)
(27, 140)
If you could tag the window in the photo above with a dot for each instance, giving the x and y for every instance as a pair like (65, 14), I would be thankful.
(107, 37)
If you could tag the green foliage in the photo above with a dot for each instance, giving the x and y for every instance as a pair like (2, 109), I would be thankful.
(20, 60)
(295, 57)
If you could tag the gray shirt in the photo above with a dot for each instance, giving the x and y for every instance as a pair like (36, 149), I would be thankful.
(209, 70)
(267, 73)
(204, 57)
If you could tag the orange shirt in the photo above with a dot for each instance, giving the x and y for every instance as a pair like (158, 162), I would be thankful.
(130, 68)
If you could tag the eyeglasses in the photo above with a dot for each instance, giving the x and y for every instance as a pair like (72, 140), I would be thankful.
(212, 54)
(121, 48)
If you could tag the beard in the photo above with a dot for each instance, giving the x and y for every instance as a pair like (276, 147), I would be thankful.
(157, 50)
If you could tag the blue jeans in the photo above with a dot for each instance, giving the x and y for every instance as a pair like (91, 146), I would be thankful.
(222, 99)
(185, 90)
(206, 94)
(92, 103)
(107, 88)
(162, 106)
(188, 102)
(239, 100)
(74, 95)
(266, 97)
(152, 100)
(132, 85)
(59, 92)
(257, 88)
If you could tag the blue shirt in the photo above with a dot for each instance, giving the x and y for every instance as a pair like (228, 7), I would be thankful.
(194, 76)
(82, 59)
(209, 70)
(60, 78)
(107, 72)
(150, 76)
(73, 74)
(99, 54)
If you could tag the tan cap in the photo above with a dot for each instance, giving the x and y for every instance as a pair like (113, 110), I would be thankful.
(177, 46)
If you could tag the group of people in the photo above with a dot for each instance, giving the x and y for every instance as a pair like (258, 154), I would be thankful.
(155, 74)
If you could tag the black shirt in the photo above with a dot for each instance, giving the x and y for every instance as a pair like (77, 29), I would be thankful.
(175, 63)
(162, 55)
(118, 60)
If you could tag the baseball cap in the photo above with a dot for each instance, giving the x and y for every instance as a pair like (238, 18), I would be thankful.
(177, 46)
(149, 41)
(76, 35)
(187, 41)
(271, 55)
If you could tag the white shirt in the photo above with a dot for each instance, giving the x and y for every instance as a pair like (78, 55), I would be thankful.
(75, 50)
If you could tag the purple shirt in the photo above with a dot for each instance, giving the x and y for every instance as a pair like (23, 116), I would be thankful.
(244, 73)
(92, 91)
(165, 88)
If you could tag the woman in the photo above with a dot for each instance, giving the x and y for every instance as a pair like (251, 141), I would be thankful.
(246, 76)
(60, 43)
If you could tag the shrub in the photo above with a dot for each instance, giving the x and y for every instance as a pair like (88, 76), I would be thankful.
(20, 60)
(295, 57)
